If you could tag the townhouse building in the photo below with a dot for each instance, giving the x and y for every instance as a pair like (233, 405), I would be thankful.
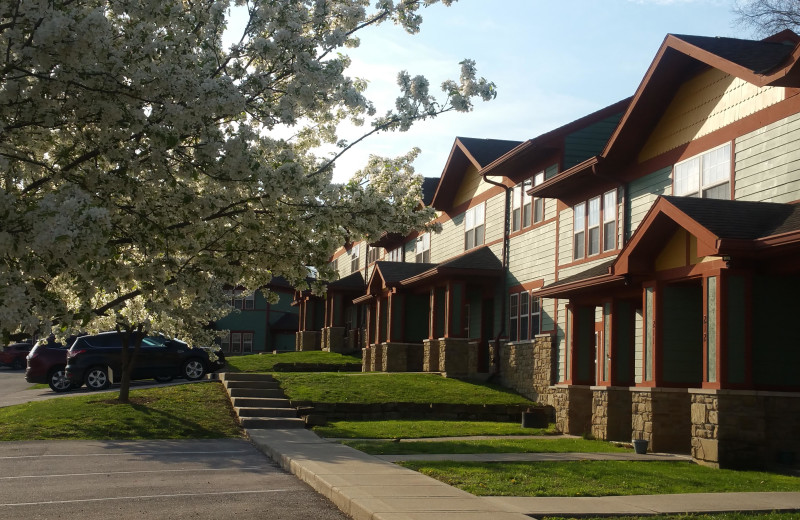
(634, 269)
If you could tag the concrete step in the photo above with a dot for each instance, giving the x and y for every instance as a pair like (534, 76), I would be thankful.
(278, 423)
(260, 402)
(240, 376)
(265, 412)
(267, 385)
(256, 392)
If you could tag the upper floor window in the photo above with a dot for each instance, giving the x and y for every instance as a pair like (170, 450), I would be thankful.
(423, 248)
(395, 255)
(474, 226)
(373, 254)
(589, 237)
(354, 253)
(538, 202)
(707, 175)
(521, 206)
(335, 265)
(239, 300)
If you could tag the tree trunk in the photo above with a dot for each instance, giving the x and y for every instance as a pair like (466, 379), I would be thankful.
(131, 338)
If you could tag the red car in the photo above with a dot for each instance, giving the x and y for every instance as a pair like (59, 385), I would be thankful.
(46, 363)
(14, 355)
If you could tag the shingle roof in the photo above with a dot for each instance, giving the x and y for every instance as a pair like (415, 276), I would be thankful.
(592, 272)
(738, 219)
(353, 282)
(429, 185)
(393, 272)
(485, 151)
(757, 56)
(481, 258)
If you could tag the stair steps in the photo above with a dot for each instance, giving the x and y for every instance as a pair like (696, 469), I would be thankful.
(259, 402)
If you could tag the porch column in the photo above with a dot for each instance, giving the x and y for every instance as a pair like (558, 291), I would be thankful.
(390, 317)
(652, 319)
(368, 325)
(301, 321)
(378, 312)
(432, 315)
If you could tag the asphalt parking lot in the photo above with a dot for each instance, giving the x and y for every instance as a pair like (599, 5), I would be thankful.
(197, 479)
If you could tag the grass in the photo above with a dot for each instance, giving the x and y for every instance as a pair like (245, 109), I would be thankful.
(267, 362)
(598, 478)
(375, 388)
(195, 411)
(417, 429)
(486, 446)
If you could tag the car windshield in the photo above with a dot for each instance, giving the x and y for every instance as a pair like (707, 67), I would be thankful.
(153, 341)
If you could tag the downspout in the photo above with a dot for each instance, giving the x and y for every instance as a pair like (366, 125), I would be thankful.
(621, 203)
(495, 370)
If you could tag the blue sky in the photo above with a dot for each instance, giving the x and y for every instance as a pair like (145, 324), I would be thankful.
(552, 61)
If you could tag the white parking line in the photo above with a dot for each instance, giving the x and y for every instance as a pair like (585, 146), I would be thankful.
(147, 496)
(125, 453)
(194, 470)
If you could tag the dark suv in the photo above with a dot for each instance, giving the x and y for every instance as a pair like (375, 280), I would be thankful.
(46, 363)
(14, 355)
(97, 359)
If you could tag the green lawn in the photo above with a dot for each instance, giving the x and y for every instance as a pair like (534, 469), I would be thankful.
(416, 429)
(193, 411)
(598, 478)
(267, 362)
(486, 446)
(372, 388)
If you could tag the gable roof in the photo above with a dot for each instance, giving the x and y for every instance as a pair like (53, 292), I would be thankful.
(350, 283)
(466, 152)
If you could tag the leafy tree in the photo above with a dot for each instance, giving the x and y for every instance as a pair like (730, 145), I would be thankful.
(143, 165)
(768, 16)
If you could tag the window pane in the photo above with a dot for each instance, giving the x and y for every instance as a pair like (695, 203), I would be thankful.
(426, 241)
(579, 217)
(716, 165)
(515, 220)
(516, 201)
(687, 177)
(538, 210)
(480, 214)
(723, 191)
(247, 342)
(610, 206)
(594, 240)
(594, 212)
(609, 236)
(236, 342)
(479, 232)
(538, 178)
(535, 316)
(469, 240)
(580, 247)
(469, 220)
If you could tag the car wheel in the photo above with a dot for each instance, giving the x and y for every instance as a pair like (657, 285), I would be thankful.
(58, 380)
(97, 378)
(193, 369)
(18, 364)
(163, 379)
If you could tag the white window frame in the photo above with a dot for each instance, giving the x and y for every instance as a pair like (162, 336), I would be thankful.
(373, 255)
(524, 316)
(475, 227)
(237, 342)
(250, 301)
(354, 258)
(690, 177)
(538, 202)
(579, 231)
(395, 255)
(536, 315)
(527, 217)
(516, 208)
(513, 316)
(593, 227)
(422, 248)
(609, 220)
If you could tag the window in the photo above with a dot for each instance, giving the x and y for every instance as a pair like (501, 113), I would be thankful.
(395, 255)
(707, 175)
(239, 301)
(594, 226)
(423, 248)
(578, 230)
(610, 220)
(526, 203)
(536, 316)
(250, 301)
(474, 226)
(354, 258)
(373, 253)
(524, 316)
(237, 342)
(538, 203)
(335, 265)
(521, 206)
(513, 311)
(589, 237)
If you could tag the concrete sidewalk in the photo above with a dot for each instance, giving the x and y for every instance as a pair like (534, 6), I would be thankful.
(371, 488)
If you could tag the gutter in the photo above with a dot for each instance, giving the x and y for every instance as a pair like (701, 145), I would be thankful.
(504, 261)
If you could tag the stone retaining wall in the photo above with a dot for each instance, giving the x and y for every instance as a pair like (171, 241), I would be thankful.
(318, 413)
(611, 413)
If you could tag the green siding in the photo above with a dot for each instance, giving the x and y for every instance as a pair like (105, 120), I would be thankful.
(589, 141)
(776, 340)
(584, 344)
(682, 334)
(417, 306)
(737, 318)
(623, 347)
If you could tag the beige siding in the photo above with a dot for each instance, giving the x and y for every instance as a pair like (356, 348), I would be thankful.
(708, 102)
(565, 236)
(495, 217)
(638, 347)
(532, 255)
(768, 163)
(549, 313)
(561, 349)
(471, 186)
(575, 269)
(642, 193)
(449, 242)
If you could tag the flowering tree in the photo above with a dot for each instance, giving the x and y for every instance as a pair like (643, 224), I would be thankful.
(144, 164)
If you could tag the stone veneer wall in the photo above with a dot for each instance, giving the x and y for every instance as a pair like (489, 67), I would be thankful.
(333, 339)
(307, 340)
(366, 359)
(737, 428)
(662, 416)
(611, 413)
(430, 355)
(529, 367)
(573, 408)
(401, 357)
